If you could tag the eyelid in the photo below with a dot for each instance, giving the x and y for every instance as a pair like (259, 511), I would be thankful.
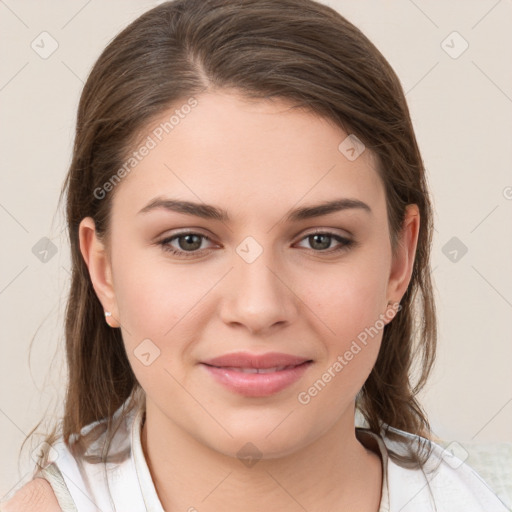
(186, 231)
(328, 231)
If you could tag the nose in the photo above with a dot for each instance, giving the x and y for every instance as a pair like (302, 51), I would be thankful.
(258, 295)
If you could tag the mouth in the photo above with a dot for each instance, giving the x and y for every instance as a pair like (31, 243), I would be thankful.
(255, 375)
(257, 370)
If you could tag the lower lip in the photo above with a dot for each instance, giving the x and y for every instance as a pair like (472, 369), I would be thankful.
(257, 384)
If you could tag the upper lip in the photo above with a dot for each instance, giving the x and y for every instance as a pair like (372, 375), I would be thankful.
(247, 360)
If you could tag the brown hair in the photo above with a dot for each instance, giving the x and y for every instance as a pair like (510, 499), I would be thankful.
(297, 50)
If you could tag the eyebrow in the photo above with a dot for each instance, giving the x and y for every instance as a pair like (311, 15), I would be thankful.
(207, 211)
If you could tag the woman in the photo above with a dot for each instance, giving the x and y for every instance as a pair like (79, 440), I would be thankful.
(250, 228)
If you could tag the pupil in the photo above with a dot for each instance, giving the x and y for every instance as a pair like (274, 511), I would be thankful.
(326, 241)
(188, 238)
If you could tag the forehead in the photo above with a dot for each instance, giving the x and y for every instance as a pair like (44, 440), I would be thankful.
(255, 157)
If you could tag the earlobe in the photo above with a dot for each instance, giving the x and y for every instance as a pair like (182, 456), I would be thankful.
(96, 258)
(403, 261)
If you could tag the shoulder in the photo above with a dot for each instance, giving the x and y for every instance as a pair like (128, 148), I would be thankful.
(446, 479)
(37, 495)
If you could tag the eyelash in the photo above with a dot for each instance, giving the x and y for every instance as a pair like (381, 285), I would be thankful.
(346, 243)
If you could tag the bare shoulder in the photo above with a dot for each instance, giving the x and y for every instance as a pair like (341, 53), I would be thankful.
(36, 495)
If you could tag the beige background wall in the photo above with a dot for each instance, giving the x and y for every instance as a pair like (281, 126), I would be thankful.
(461, 105)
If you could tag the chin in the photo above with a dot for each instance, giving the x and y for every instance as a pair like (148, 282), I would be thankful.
(261, 442)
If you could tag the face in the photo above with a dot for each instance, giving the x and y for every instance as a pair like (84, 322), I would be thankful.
(233, 324)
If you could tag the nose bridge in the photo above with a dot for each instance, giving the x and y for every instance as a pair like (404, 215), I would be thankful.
(259, 298)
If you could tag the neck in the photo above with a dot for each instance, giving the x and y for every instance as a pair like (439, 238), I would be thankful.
(335, 472)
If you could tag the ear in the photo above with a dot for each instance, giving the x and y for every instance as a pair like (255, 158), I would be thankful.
(97, 259)
(403, 260)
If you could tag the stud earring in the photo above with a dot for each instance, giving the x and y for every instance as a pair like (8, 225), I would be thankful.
(116, 322)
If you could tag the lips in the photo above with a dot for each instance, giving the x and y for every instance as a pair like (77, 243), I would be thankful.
(244, 360)
(257, 370)
(256, 375)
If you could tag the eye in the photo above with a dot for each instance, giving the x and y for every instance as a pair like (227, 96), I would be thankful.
(321, 241)
(189, 244)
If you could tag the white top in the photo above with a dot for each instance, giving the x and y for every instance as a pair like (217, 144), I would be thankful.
(453, 486)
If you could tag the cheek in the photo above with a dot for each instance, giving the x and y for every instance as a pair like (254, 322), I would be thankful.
(351, 315)
(163, 303)
(346, 302)
(152, 294)
(153, 308)
(347, 297)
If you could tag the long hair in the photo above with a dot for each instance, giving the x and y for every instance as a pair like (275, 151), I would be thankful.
(298, 50)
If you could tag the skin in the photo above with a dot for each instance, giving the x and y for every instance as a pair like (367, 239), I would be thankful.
(258, 160)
